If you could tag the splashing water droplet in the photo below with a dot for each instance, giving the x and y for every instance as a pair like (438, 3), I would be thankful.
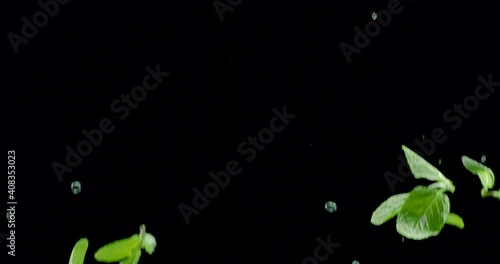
(76, 187)
(330, 207)
(483, 159)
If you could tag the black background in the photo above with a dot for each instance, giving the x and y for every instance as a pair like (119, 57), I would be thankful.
(225, 79)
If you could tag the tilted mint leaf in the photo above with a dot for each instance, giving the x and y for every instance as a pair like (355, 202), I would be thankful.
(423, 169)
(423, 214)
(455, 220)
(485, 174)
(149, 243)
(118, 250)
(134, 257)
(388, 209)
(79, 251)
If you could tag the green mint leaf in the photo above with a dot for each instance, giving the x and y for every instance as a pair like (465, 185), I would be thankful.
(149, 243)
(79, 251)
(388, 209)
(485, 174)
(134, 257)
(118, 250)
(455, 220)
(423, 214)
(423, 169)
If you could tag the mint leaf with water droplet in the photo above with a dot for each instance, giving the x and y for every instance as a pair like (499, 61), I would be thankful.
(423, 169)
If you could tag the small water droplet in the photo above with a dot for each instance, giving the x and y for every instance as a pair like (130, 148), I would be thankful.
(423, 136)
(330, 207)
(374, 15)
(402, 239)
(439, 161)
(355, 262)
(76, 187)
(8, 215)
(483, 159)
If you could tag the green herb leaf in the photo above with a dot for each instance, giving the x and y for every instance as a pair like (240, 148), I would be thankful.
(134, 257)
(455, 220)
(485, 174)
(118, 250)
(149, 243)
(79, 251)
(389, 209)
(423, 169)
(423, 214)
(487, 178)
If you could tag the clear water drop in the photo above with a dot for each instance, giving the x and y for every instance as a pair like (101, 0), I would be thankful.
(330, 207)
(402, 239)
(374, 15)
(483, 159)
(76, 187)
(8, 216)
(439, 161)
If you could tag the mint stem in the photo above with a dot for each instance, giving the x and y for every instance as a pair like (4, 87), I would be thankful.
(494, 194)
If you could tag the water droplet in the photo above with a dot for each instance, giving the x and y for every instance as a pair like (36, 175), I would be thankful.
(330, 207)
(76, 187)
(374, 15)
(8, 216)
(423, 136)
(483, 159)
(439, 161)
(403, 239)
(355, 262)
